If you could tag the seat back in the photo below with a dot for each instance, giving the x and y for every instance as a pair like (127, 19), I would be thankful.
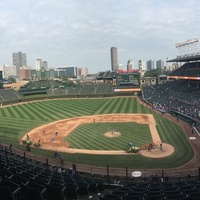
(6, 193)
(55, 193)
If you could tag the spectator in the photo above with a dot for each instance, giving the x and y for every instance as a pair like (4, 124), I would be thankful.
(10, 148)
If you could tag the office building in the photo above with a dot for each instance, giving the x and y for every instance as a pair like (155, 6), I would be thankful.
(9, 71)
(44, 64)
(130, 65)
(1, 75)
(114, 59)
(38, 64)
(25, 73)
(1, 79)
(142, 65)
(82, 71)
(19, 60)
(86, 71)
(160, 64)
(150, 65)
(66, 71)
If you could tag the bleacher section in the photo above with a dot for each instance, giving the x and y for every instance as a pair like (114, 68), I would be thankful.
(44, 84)
(41, 87)
(87, 89)
(106, 75)
(101, 88)
(104, 88)
(9, 95)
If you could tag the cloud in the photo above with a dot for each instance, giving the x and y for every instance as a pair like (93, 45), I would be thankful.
(80, 33)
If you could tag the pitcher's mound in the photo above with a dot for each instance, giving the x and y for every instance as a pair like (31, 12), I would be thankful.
(112, 134)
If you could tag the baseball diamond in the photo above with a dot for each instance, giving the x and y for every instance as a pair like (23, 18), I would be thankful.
(65, 116)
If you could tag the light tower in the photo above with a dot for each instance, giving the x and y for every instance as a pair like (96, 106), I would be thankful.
(187, 47)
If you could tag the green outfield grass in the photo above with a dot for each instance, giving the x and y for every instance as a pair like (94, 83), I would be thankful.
(16, 121)
(90, 136)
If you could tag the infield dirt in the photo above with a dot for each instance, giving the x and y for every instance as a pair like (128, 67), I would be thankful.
(52, 141)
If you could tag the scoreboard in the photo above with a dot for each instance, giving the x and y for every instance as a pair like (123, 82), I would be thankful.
(132, 79)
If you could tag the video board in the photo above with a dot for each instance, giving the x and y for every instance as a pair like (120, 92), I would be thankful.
(128, 79)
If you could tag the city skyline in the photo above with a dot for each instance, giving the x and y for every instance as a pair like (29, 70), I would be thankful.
(81, 33)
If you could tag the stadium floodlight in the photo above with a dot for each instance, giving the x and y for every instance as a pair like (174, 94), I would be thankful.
(187, 42)
(187, 47)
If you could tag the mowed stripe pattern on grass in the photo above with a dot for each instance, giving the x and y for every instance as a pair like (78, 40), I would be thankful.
(15, 121)
(91, 136)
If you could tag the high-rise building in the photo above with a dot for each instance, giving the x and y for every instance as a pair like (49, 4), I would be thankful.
(9, 71)
(1, 79)
(150, 65)
(19, 60)
(1, 75)
(38, 64)
(45, 64)
(86, 71)
(130, 65)
(160, 64)
(141, 65)
(114, 59)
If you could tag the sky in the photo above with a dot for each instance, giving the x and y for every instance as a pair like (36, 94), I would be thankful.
(81, 32)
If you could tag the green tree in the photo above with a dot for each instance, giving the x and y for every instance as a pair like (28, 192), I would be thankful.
(12, 80)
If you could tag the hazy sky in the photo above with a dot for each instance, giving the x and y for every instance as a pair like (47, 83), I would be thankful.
(81, 32)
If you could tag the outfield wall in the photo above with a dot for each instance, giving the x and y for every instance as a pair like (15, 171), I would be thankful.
(44, 97)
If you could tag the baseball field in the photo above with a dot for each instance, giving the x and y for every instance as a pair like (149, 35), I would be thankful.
(97, 132)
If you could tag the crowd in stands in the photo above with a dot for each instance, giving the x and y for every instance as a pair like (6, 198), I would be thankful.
(175, 95)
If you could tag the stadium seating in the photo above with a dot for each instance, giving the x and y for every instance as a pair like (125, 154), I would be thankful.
(96, 89)
(44, 84)
(22, 179)
(9, 95)
(175, 95)
(188, 69)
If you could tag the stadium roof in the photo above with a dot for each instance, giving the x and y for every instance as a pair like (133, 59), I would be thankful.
(186, 58)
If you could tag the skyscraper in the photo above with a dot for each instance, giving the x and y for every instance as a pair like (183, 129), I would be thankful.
(38, 64)
(114, 59)
(150, 65)
(19, 60)
(160, 64)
